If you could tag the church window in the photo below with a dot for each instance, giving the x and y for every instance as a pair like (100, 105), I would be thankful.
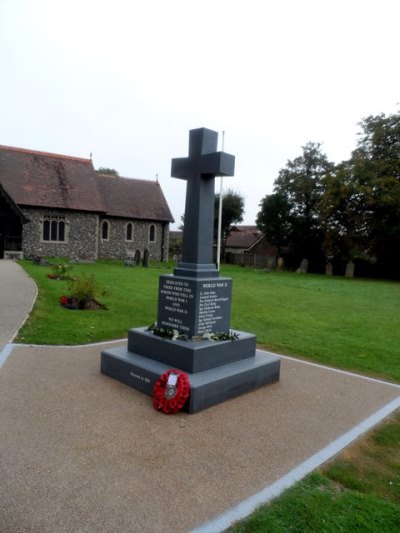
(105, 228)
(54, 229)
(152, 233)
(129, 232)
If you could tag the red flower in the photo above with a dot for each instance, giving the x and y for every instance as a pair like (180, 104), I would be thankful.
(64, 300)
(170, 405)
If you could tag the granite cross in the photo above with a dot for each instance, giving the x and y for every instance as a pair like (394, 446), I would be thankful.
(200, 169)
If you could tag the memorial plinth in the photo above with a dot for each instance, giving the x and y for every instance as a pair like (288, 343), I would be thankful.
(194, 305)
(195, 301)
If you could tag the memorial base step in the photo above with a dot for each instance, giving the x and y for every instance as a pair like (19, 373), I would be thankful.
(208, 387)
(191, 355)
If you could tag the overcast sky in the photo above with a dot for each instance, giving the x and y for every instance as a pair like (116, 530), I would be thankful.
(126, 80)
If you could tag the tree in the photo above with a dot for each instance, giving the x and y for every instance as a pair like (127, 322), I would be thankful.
(360, 207)
(232, 213)
(273, 219)
(104, 170)
(375, 166)
(344, 215)
(181, 225)
(298, 190)
(349, 211)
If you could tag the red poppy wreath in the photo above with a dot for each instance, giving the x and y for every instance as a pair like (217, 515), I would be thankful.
(171, 392)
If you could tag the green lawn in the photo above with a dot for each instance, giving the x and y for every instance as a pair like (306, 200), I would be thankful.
(351, 323)
(348, 323)
(130, 298)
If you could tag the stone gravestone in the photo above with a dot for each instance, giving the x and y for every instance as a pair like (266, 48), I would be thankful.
(329, 269)
(280, 265)
(349, 270)
(136, 259)
(194, 301)
(303, 268)
(146, 255)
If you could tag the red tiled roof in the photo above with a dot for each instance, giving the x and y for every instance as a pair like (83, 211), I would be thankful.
(7, 204)
(42, 179)
(243, 237)
(133, 198)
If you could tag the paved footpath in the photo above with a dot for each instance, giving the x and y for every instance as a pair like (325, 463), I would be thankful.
(80, 451)
(17, 295)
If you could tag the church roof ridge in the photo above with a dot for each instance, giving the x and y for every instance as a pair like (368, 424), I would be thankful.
(40, 152)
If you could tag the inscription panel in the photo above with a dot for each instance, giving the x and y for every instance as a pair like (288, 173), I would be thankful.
(194, 306)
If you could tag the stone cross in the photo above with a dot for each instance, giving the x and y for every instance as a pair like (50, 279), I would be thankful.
(199, 169)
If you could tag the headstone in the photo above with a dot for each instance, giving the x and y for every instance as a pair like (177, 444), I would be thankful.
(129, 261)
(329, 269)
(195, 301)
(271, 262)
(146, 255)
(280, 264)
(349, 270)
(303, 268)
(136, 258)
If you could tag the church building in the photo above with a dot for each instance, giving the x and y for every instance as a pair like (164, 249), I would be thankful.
(59, 206)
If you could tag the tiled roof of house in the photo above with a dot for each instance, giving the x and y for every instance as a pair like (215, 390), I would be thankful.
(41, 179)
(7, 204)
(133, 198)
(243, 237)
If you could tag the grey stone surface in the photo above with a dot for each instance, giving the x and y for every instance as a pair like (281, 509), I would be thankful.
(191, 355)
(200, 169)
(206, 388)
(194, 306)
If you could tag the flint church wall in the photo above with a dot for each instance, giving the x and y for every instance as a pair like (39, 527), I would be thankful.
(79, 237)
(84, 237)
(117, 245)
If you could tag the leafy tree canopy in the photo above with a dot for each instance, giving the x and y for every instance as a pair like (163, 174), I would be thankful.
(232, 213)
(105, 170)
(375, 171)
(294, 204)
(350, 210)
(273, 219)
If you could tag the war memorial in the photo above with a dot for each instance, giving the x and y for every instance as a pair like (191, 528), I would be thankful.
(194, 305)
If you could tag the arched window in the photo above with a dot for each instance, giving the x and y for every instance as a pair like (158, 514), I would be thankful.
(152, 233)
(129, 232)
(54, 228)
(61, 230)
(46, 230)
(104, 230)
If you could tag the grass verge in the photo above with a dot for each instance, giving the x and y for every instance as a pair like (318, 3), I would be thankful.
(357, 492)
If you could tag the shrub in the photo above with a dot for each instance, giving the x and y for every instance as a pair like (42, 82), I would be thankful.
(61, 271)
(84, 289)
